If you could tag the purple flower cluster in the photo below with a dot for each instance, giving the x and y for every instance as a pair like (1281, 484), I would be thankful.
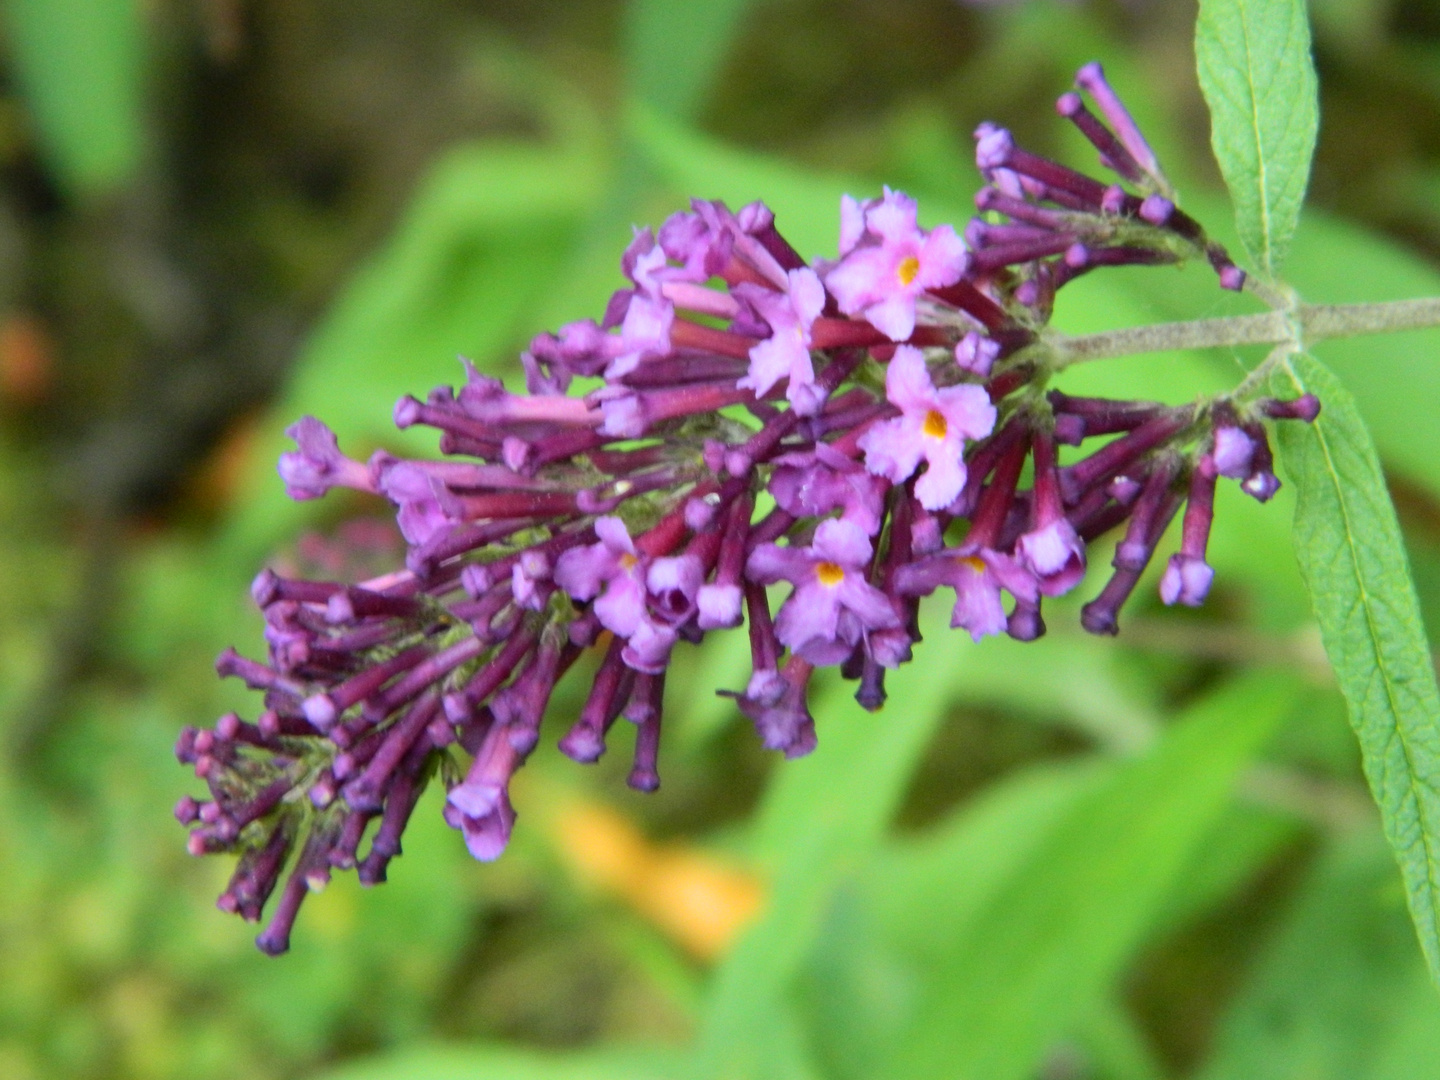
(856, 429)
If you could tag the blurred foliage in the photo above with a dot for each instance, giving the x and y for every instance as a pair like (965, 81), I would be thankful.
(1128, 860)
(80, 67)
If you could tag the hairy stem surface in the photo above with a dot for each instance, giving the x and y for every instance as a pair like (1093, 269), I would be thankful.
(1305, 325)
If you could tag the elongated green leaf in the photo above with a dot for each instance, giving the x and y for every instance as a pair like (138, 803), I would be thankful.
(1392, 375)
(80, 64)
(934, 886)
(1115, 1043)
(1353, 559)
(485, 232)
(820, 819)
(675, 50)
(1048, 943)
(1259, 81)
(1330, 992)
(505, 1063)
(881, 930)
(806, 202)
(1414, 1037)
(1244, 839)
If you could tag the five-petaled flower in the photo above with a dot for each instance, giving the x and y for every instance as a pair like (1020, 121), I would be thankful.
(891, 263)
(932, 427)
(833, 604)
(786, 352)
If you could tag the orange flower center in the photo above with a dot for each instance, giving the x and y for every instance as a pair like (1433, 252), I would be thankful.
(908, 268)
(974, 562)
(627, 561)
(934, 425)
(829, 574)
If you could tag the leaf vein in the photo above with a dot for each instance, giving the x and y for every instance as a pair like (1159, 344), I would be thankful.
(1382, 664)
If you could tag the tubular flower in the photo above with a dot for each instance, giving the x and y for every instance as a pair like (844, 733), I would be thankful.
(786, 352)
(739, 437)
(833, 604)
(891, 263)
(932, 427)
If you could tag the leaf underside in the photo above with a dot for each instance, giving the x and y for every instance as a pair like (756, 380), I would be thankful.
(1253, 58)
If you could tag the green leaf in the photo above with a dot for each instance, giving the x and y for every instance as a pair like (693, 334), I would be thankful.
(1066, 678)
(1259, 81)
(675, 50)
(1114, 1042)
(1392, 374)
(918, 890)
(1051, 939)
(81, 64)
(1414, 1037)
(806, 201)
(504, 1063)
(1243, 841)
(488, 228)
(1330, 992)
(1353, 560)
(821, 817)
(934, 886)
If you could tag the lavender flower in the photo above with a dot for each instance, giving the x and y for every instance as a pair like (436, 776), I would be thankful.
(785, 354)
(833, 605)
(610, 570)
(977, 575)
(932, 427)
(1052, 550)
(316, 464)
(892, 263)
(600, 531)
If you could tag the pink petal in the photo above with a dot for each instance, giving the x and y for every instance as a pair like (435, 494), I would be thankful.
(869, 604)
(1013, 577)
(967, 410)
(862, 278)
(811, 612)
(852, 223)
(772, 360)
(807, 295)
(1055, 555)
(977, 604)
(892, 448)
(719, 606)
(622, 608)
(943, 259)
(894, 218)
(582, 571)
(648, 259)
(649, 647)
(613, 534)
(486, 837)
(770, 563)
(840, 541)
(943, 479)
(907, 382)
(893, 316)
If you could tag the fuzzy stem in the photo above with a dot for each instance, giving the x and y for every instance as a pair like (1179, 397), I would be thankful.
(1314, 322)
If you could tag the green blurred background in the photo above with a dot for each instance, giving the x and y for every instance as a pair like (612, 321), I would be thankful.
(1129, 860)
